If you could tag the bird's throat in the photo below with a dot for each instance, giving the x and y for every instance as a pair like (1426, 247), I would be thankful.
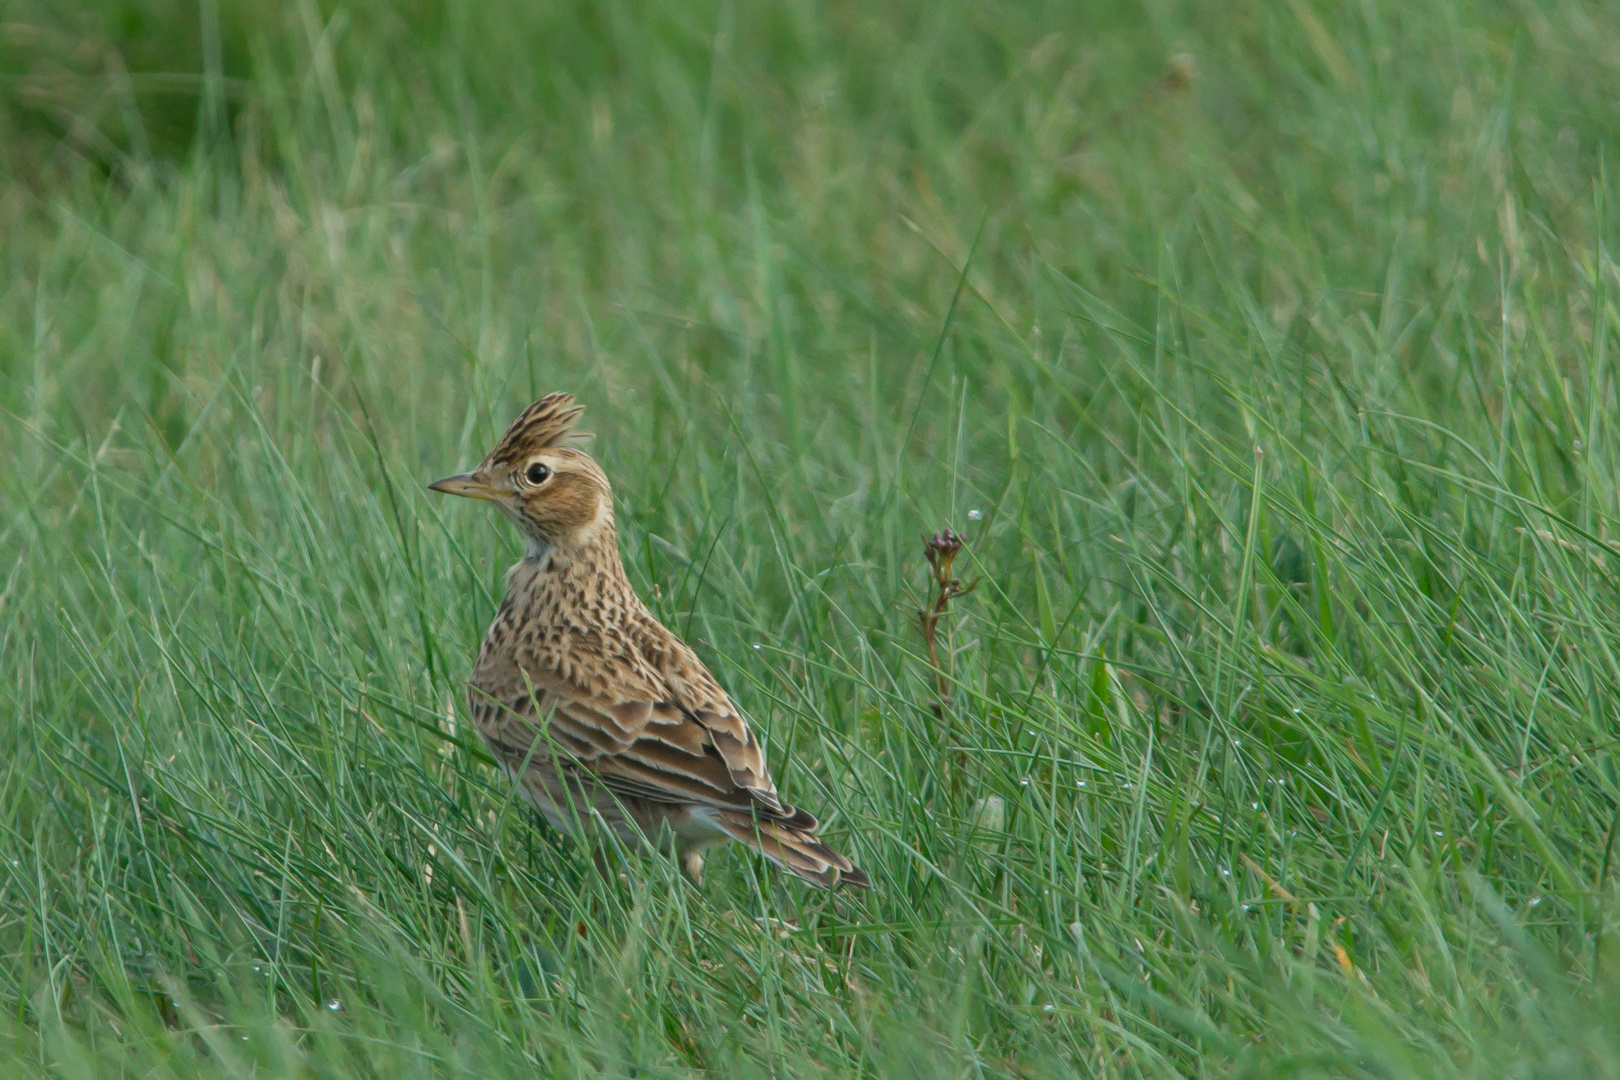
(538, 550)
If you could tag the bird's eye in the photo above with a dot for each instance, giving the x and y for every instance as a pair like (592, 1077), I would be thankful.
(537, 473)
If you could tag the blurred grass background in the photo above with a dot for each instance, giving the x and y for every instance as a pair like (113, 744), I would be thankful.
(1262, 351)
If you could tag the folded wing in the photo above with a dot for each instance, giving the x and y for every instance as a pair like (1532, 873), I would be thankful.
(664, 750)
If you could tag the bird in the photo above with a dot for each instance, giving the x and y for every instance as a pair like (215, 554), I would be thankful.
(592, 705)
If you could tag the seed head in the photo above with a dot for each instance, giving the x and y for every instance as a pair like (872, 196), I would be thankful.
(941, 550)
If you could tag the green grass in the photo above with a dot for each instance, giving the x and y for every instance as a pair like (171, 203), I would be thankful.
(1272, 343)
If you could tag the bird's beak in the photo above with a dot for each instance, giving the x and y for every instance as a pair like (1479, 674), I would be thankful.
(467, 485)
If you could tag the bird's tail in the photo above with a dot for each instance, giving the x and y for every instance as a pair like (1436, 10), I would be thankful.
(794, 849)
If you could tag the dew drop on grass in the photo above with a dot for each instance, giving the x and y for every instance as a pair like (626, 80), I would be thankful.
(975, 515)
(1024, 782)
(756, 646)
(334, 1005)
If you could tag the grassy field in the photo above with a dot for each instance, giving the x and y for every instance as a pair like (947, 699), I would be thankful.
(1264, 352)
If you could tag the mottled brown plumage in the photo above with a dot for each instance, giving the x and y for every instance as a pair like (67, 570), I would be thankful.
(587, 700)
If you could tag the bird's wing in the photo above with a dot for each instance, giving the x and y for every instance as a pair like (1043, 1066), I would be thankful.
(642, 743)
(726, 730)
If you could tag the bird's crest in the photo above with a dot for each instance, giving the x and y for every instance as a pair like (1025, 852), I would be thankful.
(548, 422)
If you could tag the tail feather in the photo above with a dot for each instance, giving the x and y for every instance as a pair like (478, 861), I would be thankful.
(794, 849)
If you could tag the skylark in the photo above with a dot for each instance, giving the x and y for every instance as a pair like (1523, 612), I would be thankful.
(586, 699)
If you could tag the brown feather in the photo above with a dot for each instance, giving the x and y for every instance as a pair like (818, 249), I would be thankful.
(548, 422)
(794, 850)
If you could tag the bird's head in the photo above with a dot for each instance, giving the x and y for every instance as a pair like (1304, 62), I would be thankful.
(554, 492)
